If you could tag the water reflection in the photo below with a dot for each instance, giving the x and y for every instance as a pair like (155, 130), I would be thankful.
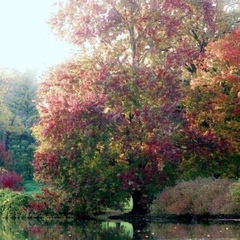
(196, 231)
(115, 230)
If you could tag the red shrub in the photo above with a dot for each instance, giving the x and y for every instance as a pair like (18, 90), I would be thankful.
(201, 196)
(10, 180)
(5, 157)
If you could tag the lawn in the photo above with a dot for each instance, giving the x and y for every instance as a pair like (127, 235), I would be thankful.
(30, 186)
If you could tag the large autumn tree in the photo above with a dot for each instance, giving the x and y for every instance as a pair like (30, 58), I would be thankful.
(108, 117)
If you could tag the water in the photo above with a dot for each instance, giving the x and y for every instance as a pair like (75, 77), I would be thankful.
(115, 230)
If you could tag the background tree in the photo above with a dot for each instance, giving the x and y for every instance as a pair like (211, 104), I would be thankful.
(20, 98)
(20, 101)
(109, 120)
(19, 114)
(212, 133)
(8, 177)
(5, 76)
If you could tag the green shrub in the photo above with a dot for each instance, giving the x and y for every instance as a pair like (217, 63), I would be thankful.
(13, 204)
(197, 197)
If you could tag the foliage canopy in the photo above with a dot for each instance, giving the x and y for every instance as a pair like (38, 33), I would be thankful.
(110, 118)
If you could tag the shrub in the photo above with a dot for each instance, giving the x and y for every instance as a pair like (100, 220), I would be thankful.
(55, 203)
(197, 197)
(235, 197)
(10, 180)
(43, 206)
(13, 204)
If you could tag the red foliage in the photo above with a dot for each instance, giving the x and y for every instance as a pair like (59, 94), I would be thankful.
(37, 206)
(10, 180)
(199, 196)
(216, 91)
(210, 135)
(5, 157)
(117, 106)
(227, 50)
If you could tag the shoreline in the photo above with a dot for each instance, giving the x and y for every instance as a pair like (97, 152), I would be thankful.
(184, 218)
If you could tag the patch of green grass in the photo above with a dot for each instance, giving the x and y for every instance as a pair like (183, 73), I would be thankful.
(128, 206)
(30, 186)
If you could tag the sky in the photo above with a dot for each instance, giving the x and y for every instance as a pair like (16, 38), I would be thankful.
(26, 40)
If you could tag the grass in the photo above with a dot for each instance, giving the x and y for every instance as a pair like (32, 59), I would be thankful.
(129, 206)
(30, 186)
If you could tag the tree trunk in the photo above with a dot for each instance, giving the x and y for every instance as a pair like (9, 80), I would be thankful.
(139, 203)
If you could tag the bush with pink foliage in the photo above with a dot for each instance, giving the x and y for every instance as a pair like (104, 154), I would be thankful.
(10, 180)
(197, 197)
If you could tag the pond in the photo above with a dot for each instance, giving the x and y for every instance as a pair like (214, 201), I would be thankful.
(116, 230)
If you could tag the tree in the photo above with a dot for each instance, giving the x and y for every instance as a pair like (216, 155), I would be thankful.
(5, 76)
(20, 101)
(212, 133)
(20, 98)
(18, 115)
(108, 117)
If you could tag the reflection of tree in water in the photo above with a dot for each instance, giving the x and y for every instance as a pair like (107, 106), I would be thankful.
(97, 230)
(195, 231)
(141, 231)
(12, 229)
(134, 230)
(114, 230)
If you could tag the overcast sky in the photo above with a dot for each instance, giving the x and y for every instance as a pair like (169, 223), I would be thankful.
(26, 40)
